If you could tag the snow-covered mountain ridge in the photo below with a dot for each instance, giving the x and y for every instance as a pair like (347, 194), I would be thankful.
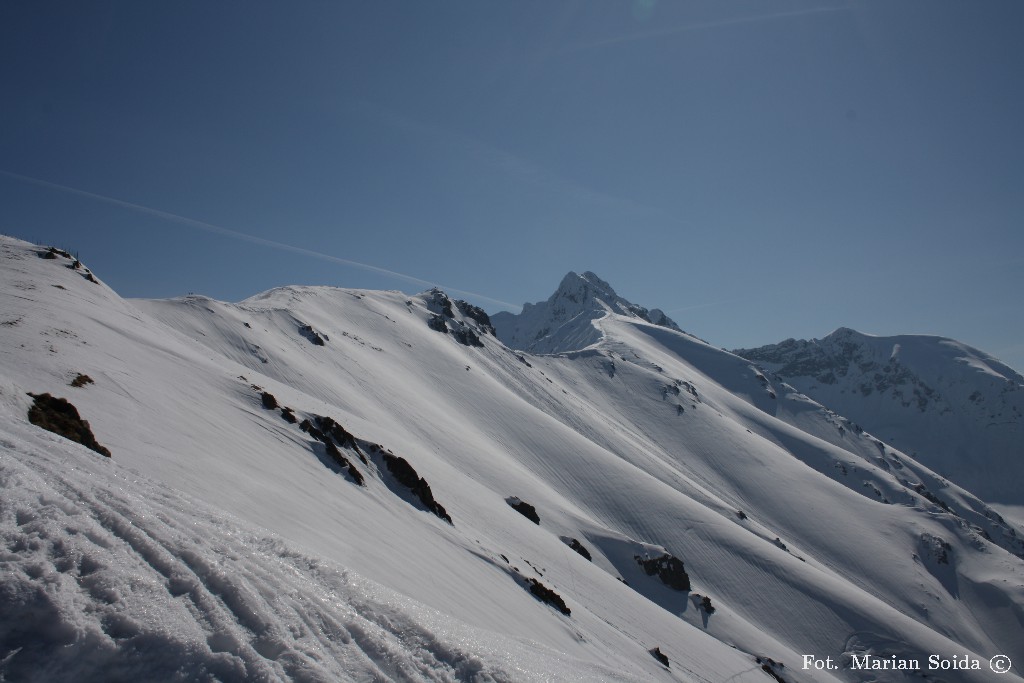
(953, 407)
(224, 541)
(565, 322)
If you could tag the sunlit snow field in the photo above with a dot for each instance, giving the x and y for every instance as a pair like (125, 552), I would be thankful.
(221, 542)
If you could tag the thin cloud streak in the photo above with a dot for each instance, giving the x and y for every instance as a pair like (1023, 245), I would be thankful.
(686, 28)
(514, 165)
(227, 232)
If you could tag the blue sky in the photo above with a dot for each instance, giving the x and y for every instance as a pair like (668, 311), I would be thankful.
(759, 169)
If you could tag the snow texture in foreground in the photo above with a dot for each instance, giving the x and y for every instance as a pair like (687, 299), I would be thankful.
(112, 577)
(807, 534)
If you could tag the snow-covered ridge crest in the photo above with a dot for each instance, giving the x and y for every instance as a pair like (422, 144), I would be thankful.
(649, 452)
(565, 322)
(955, 408)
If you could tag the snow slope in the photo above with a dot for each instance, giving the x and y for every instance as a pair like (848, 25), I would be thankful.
(110, 576)
(234, 545)
(953, 407)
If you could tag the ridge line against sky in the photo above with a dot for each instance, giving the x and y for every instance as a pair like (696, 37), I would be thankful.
(499, 156)
(235, 234)
(757, 170)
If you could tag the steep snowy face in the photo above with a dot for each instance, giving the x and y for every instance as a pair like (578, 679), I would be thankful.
(953, 407)
(565, 321)
(324, 484)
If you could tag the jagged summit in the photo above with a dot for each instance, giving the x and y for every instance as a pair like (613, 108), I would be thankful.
(577, 287)
(565, 321)
(955, 408)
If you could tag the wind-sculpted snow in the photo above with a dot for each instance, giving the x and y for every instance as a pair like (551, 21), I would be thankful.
(223, 542)
(110, 577)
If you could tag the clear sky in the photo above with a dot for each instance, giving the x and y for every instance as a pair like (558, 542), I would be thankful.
(760, 169)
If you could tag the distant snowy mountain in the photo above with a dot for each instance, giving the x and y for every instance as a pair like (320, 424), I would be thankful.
(565, 322)
(321, 484)
(952, 407)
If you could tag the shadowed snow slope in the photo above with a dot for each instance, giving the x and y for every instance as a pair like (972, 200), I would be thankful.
(254, 521)
(953, 407)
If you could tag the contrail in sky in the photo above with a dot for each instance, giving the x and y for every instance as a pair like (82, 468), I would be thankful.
(227, 232)
(685, 28)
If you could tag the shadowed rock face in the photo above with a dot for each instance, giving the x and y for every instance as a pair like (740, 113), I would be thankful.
(443, 319)
(580, 548)
(437, 323)
(409, 478)
(669, 569)
(467, 337)
(548, 596)
(312, 335)
(329, 445)
(57, 415)
(476, 314)
(525, 509)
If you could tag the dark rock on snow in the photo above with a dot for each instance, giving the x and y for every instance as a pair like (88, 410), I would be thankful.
(668, 568)
(57, 415)
(524, 508)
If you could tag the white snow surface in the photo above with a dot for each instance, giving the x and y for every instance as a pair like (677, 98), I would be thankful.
(221, 542)
(110, 576)
(955, 408)
(567, 320)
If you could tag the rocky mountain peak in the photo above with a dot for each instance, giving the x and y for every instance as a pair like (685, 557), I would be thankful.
(564, 321)
(577, 288)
